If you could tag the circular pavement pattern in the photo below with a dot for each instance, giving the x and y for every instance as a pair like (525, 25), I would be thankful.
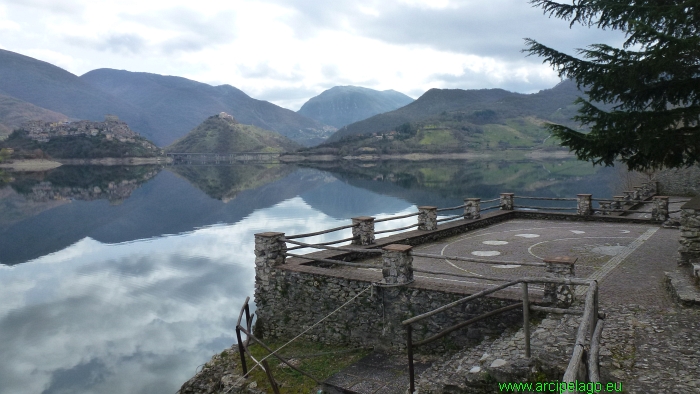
(515, 241)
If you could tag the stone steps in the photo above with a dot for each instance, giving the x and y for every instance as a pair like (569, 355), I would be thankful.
(683, 288)
(479, 368)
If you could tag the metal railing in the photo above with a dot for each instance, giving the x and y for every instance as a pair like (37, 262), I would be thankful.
(243, 350)
(588, 336)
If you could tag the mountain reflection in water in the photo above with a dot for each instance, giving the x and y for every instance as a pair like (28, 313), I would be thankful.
(125, 279)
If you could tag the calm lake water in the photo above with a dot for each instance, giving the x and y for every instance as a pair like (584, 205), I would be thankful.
(126, 279)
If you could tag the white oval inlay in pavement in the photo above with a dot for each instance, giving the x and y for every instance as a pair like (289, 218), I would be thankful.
(624, 231)
(577, 231)
(527, 235)
(495, 242)
(507, 266)
(485, 253)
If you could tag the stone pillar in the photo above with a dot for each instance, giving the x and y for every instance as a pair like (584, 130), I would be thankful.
(561, 296)
(583, 205)
(269, 253)
(689, 251)
(605, 206)
(637, 196)
(660, 209)
(507, 201)
(619, 202)
(472, 208)
(629, 197)
(397, 264)
(363, 230)
(653, 187)
(427, 218)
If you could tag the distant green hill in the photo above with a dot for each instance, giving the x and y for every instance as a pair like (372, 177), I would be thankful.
(14, 112)
(342, 105)
(174, 105)
(474, 107)
(453, 120)
(223, 134)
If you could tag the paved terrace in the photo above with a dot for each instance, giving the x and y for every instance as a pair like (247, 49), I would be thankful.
(649, 343)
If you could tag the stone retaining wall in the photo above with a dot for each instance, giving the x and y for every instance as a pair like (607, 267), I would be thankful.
(679, 182)
(297, 300)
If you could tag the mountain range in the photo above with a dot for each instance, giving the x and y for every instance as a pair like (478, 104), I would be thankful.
(343, 105)
(161, 108)
(483, 106)
(165, 108)
(174, 105)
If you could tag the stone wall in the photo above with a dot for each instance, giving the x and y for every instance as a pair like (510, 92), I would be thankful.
(297, 300)
(689, 250)
(679, 182)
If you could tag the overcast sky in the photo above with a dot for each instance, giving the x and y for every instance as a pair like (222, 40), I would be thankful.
(287, 51)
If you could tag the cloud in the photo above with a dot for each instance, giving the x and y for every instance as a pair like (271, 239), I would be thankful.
(189, 29)
(494, 29)
(67, 7)
(264, 70)
(125, 44)
(516, 76)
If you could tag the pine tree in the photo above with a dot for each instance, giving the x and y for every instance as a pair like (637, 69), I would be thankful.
(652, 82)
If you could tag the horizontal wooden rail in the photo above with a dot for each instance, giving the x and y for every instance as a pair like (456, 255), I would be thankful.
(396, 229)
(489, 208)
(325, 243)
(450, 218)
(397, 217)
(459, 302)
(546, 208)
(451, 208)
(326, 247)
(339, 262)
(562, 281)
(467, 323)
(320, 232)
(491, 200)
(547, 198)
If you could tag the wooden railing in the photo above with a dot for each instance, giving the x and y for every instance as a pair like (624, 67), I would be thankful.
(583, 365)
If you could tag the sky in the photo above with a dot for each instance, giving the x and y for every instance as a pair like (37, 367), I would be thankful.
(287, 51)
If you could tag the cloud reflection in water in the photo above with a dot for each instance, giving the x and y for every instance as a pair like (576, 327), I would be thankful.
(134, 317)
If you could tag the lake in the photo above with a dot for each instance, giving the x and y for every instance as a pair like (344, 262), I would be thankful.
(126, 279)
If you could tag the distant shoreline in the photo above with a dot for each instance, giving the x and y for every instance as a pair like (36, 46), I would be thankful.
(45, 165)
(290, 158)
(536, 154)
(30, 165)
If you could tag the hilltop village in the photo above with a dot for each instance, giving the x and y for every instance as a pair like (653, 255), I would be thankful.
(112, 128)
